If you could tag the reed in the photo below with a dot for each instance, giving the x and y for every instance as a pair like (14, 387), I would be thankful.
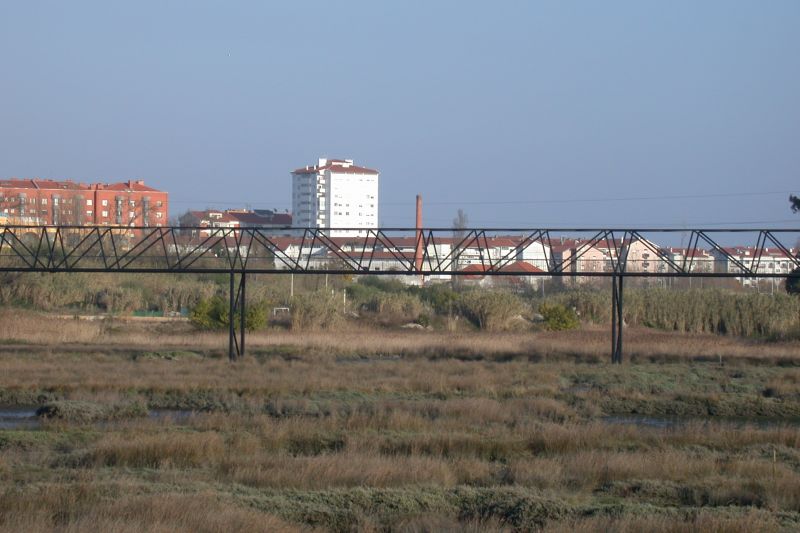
(385, 430)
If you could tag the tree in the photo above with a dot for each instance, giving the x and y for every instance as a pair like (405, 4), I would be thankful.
(460, 223)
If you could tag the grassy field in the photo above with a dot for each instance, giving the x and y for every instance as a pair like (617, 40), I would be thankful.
(395, 430)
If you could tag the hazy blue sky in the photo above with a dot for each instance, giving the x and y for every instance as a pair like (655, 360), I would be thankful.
(522, 113)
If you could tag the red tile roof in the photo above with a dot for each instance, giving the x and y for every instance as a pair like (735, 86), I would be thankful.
(130, 185)
(522, 267)
(337, 166)
(518, 266)
(48, 184)
(36, 183)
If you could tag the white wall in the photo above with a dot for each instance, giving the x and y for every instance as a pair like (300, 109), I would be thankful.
(352, 201)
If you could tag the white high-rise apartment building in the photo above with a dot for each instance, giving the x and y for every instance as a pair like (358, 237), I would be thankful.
(335, 193)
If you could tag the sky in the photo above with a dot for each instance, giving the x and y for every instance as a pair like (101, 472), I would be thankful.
(521, 113)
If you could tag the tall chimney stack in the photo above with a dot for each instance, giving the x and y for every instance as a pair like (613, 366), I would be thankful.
(419, 249)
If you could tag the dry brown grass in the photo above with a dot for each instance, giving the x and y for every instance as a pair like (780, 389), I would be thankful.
(590, 343)
(277, 377)
(85, 507)
(159, 450)
(704, 521)
(350, 469)
(721, 462)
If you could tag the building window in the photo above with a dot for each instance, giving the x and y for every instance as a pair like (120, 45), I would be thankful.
(88, 202)
(158, 203)
(132, 203)
(88, 213)
(158, 214)
(132, 214)
(104, 203)
(44, 201)
(105, 213)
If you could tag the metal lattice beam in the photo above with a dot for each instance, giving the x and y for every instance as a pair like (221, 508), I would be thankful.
(554, 252)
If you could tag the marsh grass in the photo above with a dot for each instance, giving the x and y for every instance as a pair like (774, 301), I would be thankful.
(399, 431)
(86, 507)
(702, 520)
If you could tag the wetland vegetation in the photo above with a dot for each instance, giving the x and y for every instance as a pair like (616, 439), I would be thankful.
(369, 429)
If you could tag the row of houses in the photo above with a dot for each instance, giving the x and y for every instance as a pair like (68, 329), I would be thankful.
(509, 254)
(204, 223)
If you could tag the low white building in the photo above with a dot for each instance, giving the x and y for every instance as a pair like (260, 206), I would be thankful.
(762, 261)
(335, 193)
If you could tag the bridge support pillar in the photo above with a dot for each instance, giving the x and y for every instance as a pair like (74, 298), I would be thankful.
(616, 319)
(242, 313)
(231, 327)
(237, 302)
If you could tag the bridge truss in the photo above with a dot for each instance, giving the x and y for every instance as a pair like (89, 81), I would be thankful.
(430, 254)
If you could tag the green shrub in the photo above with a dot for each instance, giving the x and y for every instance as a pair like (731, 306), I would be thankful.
(389, 299)
(441, 298)
(491, 310)
(558, 317)
(383, 284)
(212, 313)
(394, 307)
(255, 317)
(424, 320)
(315, 310)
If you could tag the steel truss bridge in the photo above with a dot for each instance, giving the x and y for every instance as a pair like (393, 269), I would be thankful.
(425, 253)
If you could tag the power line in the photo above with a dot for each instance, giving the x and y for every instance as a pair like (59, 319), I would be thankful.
(522, 202)
(483, 222)
(598, 200)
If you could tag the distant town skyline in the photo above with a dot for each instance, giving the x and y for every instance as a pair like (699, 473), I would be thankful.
(521, 114)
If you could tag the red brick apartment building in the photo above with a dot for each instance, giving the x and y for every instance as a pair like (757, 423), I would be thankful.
(49, 202)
